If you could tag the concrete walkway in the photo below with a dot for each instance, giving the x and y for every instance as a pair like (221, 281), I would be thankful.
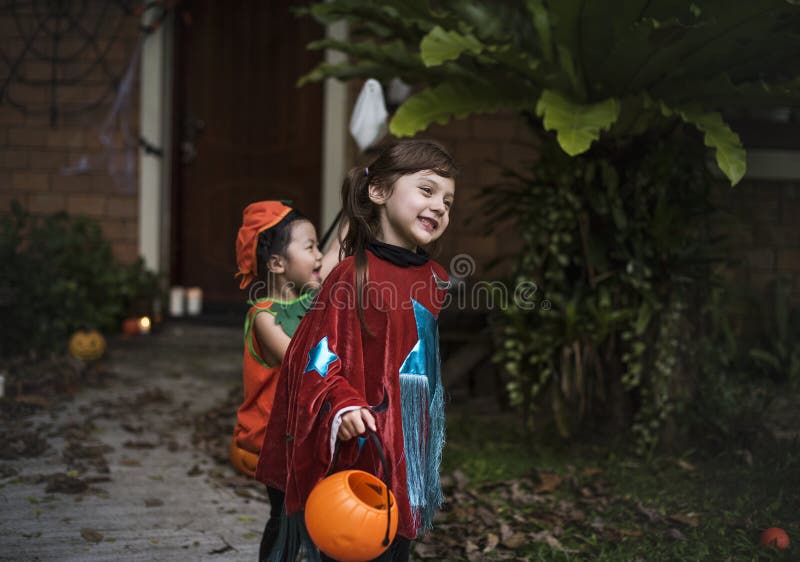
(134, 467)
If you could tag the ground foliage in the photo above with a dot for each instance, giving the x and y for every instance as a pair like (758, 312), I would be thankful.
(601, 502)
(59, 276)
(510, 494)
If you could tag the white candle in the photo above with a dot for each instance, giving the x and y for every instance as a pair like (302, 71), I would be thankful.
(194, 300)
(176, 295)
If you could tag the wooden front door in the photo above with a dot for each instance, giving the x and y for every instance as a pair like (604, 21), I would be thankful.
(243, 132)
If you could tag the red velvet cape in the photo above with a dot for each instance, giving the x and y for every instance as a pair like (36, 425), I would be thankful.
(359, 370)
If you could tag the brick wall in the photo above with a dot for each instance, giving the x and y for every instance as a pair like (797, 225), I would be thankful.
(482, 145)
(34, 154)
(762, 221)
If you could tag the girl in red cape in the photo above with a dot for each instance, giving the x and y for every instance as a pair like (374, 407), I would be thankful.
(366, 355)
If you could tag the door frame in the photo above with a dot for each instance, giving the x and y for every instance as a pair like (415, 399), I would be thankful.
(156, 126)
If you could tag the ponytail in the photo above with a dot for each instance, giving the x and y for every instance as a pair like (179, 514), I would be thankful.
(363, 219)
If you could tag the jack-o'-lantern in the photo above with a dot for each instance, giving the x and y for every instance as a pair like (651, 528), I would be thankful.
(351, 515)
(87, 345)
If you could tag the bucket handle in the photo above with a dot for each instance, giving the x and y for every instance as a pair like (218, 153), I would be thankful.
(379, 448)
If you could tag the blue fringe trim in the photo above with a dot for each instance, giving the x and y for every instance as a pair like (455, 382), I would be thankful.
(414, 400)
(423, 439)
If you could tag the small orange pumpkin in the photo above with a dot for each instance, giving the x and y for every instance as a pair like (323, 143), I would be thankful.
(87, 345)
(130, 326)
(346, 513)
(775, 537)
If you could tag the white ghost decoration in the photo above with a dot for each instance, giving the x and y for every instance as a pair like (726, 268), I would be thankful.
(368, 122)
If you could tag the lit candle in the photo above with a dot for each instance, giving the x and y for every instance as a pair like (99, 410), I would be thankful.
(144, 325)
(194, 300)
(176, 295)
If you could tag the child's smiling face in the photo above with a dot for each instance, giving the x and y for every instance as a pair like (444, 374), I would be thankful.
(302, 259)
(417, 212)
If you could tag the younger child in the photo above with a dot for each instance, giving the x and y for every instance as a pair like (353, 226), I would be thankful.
(367, 354)
(277, 246)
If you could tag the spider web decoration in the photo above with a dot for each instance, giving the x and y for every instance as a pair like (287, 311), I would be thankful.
(67, 58)
(61, 46)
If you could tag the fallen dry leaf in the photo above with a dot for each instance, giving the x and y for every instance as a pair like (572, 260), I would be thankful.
(492, 541)
(515, 541)
(139, 445)
(591, 471)
(90, 535)
(487, 517)
(461, 479)
(425, 551)
(598, 524)
(65, 484)
(34, 400)
(746, 455)
(651, 514)
(675, 534)
(686, 519)
(548, 482)
(153, 502)
(686, 465)
(505, 531)
(548, 538)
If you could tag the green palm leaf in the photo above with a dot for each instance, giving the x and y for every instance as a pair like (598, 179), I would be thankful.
(576, 125)
(441, 103)
(729, 153)
(439, 46)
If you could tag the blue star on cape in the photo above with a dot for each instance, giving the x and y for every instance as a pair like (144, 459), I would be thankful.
(320, 357)
(422, 360)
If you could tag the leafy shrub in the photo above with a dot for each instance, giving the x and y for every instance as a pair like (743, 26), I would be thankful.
(59, 275)
(621, 244)
(746, 358)
(775, 352)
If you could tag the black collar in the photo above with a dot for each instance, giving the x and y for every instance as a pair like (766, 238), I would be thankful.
(396, 254)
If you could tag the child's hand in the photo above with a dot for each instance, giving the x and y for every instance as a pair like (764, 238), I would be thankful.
(356, 422)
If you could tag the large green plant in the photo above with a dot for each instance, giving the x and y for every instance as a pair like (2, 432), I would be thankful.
(585, 69)
(614, 212)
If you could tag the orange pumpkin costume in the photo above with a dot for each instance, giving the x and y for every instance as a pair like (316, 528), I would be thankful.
(260, 381)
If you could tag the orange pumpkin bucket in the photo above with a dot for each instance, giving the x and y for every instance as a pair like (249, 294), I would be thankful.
(351, 515)
(243, 461)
